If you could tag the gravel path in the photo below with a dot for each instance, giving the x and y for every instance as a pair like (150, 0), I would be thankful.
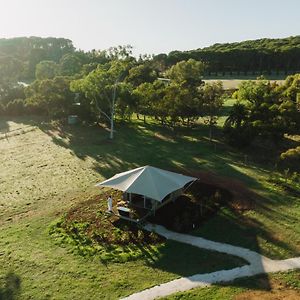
(258, 264)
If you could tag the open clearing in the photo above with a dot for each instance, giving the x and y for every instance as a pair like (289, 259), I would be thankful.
(46, 170)
(232, 84)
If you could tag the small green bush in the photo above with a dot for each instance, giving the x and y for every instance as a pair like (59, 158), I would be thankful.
(118, 246)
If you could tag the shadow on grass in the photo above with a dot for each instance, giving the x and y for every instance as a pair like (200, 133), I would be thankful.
(235, 229)
(4, 127)
(186, 260)
(138, 144)
(11, 288)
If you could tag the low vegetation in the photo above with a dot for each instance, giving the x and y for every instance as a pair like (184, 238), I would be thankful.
(265, 287)
(92, 231)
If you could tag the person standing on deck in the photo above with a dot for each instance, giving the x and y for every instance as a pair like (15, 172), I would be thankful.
(109, 203)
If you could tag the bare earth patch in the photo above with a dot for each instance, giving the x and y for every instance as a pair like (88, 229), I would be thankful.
(273, 295)
(272, 289)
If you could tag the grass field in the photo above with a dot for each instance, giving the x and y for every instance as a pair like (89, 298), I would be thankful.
(46, 169)
(233, 81)
(281, 286)
(44, 173)
(232, 84)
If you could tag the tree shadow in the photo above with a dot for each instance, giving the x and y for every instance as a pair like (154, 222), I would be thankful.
(244, 232)
(4, 126)
(11, 288)
(181, 150)
(146, 144)
(187, 260)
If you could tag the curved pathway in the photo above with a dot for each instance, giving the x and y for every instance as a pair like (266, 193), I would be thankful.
(258, 264)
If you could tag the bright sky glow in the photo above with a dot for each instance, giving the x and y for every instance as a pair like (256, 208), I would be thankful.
(150, 26)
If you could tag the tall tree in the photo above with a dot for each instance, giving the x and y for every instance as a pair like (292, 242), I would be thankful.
(101, 86)
(212, 104)
(51, 96)
(189, 72)
(46, 69)
(71, 63)
(140, 74)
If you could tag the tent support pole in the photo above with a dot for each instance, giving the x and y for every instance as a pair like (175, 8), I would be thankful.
(190, 185)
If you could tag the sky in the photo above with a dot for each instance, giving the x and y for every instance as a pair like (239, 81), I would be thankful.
(150, 26)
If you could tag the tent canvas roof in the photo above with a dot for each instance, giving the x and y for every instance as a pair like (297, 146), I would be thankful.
(149, 181)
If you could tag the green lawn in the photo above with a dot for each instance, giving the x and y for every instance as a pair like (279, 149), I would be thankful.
(274, 286)
(234, 82)
(43, 173)
(47, 270)
(47, 169)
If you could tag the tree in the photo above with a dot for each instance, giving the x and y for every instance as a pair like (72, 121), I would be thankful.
(237, 128)
(31, 50)
(15, 108)
(237, 116)
(71, 63)
(188, 72)
(262, 102)
(183, 95)
(46, 69)
(144, 94)
(148, 99)
(140, 74)
(100, 86)
(263, 55)
(10, 70)
(52, 96)
(212, 104)
(265, 110)
(120, 52)
(125, 100)
(291, 159)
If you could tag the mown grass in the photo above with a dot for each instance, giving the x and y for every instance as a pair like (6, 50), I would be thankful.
(272, 286)
(47, 270)
(47, 170)
(256, 231)
(234, 82)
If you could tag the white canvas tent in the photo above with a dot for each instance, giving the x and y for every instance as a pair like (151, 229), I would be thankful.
(148, 181)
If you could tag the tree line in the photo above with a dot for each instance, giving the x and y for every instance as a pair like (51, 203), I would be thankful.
(262, 56)
(266, 110)
(266, 114)
(112, 83)
(118, 88)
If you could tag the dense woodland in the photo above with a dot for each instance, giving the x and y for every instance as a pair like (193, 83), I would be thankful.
(111, 84)
(264, 56)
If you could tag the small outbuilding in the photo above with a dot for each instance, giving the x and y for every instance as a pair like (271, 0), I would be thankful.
(148, 188)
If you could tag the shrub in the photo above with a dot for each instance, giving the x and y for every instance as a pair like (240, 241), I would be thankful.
(15, 107)
(140, 235)
(2, 110)
(34, 109)
(293, 153)
(291, 159)
(295, 177)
